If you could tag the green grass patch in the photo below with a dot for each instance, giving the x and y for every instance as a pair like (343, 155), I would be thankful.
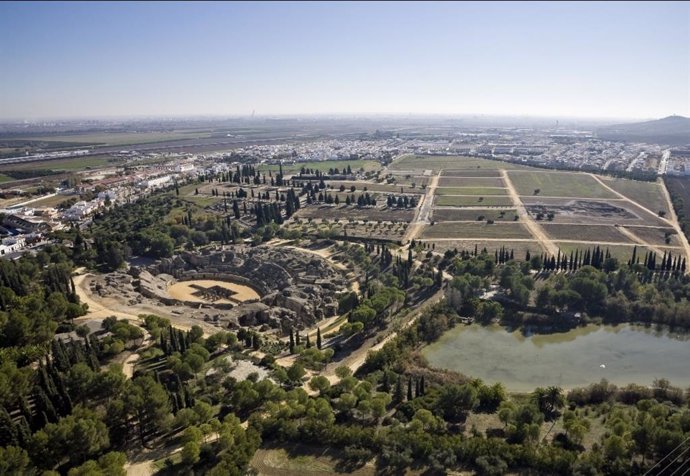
(5, 178)
(647, 194)
(558, 184)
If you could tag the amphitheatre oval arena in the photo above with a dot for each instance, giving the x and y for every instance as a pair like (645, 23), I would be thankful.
(277, 287)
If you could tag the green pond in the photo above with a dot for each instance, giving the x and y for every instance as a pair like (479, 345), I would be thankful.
(621, 354)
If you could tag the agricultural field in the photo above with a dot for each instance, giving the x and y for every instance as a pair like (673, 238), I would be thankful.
(558, 184)
(647, 194)
(593, 233)
(656, 236)
(67, 165)
(480, 191)
(469, 173)
(323, 166)
(122, 138)
(5, 178)
(471, 182)
(461, 214)
(438, 162)
(591, 211)
(472, 201)
(475, 230)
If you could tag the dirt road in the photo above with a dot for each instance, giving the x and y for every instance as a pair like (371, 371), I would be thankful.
(532, 226)
(672, 222)
(423, 214)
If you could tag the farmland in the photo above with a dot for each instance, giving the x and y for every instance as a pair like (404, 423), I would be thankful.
(470, 182)
(552, 208)
(436, 163)
(464, 214)
(472, 201)
(476, 230)
(647, 194)
(480, 191)
(558, 184)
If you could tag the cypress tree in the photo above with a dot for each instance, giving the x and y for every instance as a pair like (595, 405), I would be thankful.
(318, 338)
(292, 341)
(398, 393)
(409, 389)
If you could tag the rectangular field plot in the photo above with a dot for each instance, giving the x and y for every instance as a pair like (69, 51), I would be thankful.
(476, 230)
(599, 233)
(344, 212)
(471, 182)
(438, 162)
(478, 201)
(470, 173)
(558, 184)
(656, 236)
(647, 194)
(480, 191)
(460, 214)
(519, 248)
(609, 212)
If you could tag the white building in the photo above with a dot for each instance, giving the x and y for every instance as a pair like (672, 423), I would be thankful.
(157, 182)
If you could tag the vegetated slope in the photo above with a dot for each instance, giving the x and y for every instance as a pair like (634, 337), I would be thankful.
(671, 130)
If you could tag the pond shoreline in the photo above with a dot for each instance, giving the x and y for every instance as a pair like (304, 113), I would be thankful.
(525, 358)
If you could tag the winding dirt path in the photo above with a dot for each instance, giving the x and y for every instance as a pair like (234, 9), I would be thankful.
(532, 226)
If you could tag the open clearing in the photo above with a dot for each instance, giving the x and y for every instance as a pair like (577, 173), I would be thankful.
(472, 201)
(438, 162)
(558, 184)
(470, 182)
(480, 191)
(303, 460)
(460, 214)
(189, 290)
(647, 194)
(476, 230)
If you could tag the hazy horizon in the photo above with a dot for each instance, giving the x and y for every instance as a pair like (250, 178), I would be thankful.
(588, 61)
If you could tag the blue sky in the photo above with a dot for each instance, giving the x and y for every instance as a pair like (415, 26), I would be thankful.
(557, 59)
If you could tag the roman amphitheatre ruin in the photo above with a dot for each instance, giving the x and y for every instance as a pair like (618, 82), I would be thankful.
(269, 287)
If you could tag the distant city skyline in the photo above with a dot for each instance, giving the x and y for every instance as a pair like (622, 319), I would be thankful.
(589, 60)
